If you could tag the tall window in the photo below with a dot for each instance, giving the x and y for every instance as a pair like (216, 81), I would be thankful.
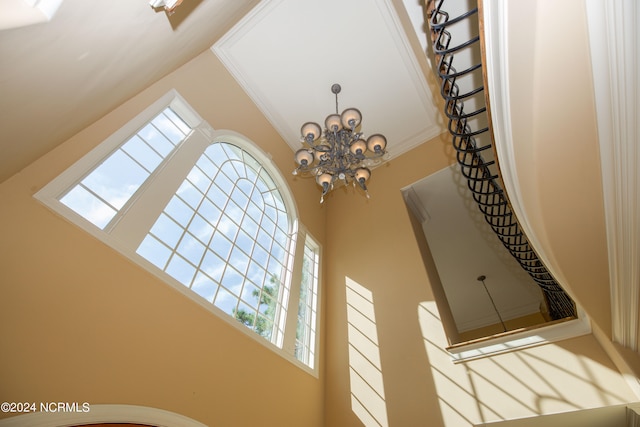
(109, 187)
(206, 212)
(307, 305)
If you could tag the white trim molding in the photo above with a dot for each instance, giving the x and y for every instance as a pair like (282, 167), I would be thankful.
(103, 414)
(615, 54)
(521, 339)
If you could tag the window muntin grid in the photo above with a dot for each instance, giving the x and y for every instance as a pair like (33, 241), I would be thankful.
(308, 305)
(146, 209)
(107, 188)
(225, 235)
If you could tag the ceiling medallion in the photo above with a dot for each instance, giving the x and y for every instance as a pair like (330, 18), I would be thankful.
(339, 154)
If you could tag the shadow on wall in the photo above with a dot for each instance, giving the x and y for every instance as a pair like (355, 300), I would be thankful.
(530, 382)
(365, 369)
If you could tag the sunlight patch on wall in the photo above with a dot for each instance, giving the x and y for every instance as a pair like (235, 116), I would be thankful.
(365, 369)
(457, 403)
(539, 380)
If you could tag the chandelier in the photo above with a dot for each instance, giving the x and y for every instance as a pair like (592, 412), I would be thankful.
(339, 154)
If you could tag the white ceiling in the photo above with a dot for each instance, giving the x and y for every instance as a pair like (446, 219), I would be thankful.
(65, 74)
(90, 58)
(464, 247)
(286, 54)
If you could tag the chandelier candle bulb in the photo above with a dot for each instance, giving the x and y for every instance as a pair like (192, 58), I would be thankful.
(340, 152)
(304, 157)
(333, 123)
(377, 143)
(359, 147)
(351, 118)
(310, 132)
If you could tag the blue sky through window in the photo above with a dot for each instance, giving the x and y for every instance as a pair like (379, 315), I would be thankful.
(110, 186)
(224, 235)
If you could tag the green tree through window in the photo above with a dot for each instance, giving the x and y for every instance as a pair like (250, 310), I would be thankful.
(262, 324)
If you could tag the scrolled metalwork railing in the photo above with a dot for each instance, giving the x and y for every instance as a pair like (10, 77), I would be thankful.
(465, 107)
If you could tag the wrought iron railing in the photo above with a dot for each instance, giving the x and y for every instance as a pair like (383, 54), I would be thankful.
(465, 107)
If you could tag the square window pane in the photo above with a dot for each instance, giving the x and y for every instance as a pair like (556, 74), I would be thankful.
(244, 242)
(278, 252)
(254, 212)
(221, 245)
(154, 251)
(232, 280)
(167, 230)
(265, 239)
(268, 225)
(204, 286)
(88, 206)
(201, 228)
(234, 211)
(168, 129)
(181, 270)
(256, 273)
(260, 256)
(275, 268)
(251, 295)
(225, 301)
(142, 153)
(213, 265)
(207, 166)
(250, 227)
(156, 140)
(210, 212)
(281, 237)
(191, 249)
(239, 260)
(190, 194)
(228, 227)
(199, 179)
(218, 196)
(179, 211)
(116, 179)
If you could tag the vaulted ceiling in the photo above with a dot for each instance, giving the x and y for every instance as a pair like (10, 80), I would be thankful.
(58, 77)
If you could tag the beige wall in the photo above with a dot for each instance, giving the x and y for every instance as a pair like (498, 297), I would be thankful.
(79, 322)
(400, 375)
(556, 147)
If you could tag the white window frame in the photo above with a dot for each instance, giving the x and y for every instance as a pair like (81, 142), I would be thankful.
(131, 230)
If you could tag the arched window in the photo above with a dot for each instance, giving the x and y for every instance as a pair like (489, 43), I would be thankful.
(207, 212)
(225, 234)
